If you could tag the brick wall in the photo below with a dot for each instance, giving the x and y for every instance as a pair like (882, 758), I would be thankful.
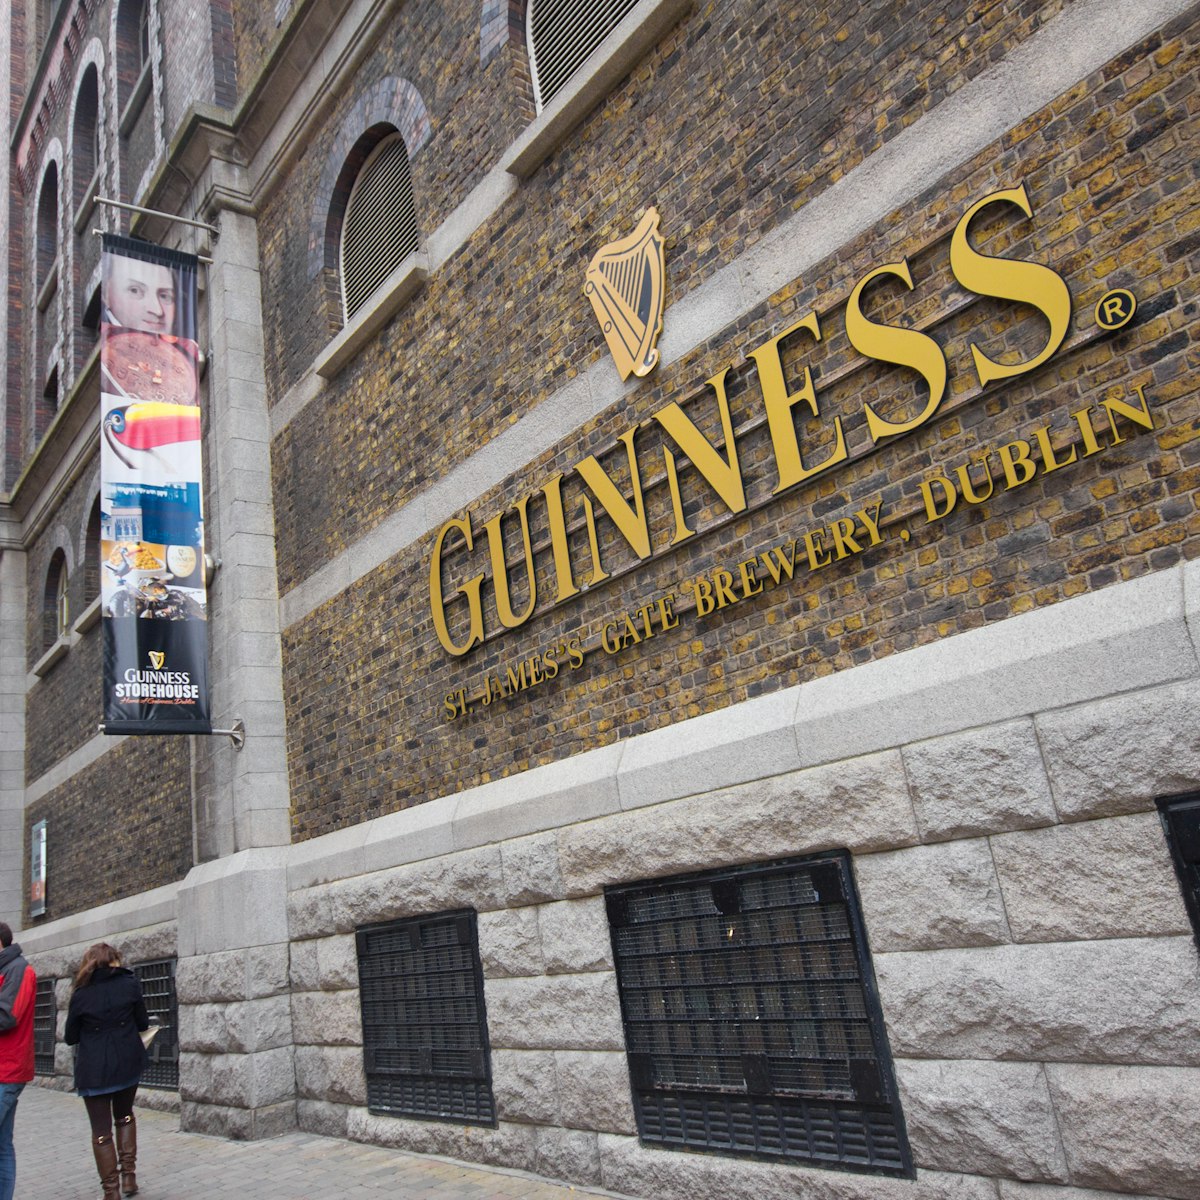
(119, 827)
(1112, 184)
(726, 134)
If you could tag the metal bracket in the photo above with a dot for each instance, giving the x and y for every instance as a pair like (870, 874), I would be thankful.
(237, 734)
(156, 212)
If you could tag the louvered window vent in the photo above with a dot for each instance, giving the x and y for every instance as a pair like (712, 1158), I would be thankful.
(751, 1018)
(380, 228)
(425, 1043)
(562, 33)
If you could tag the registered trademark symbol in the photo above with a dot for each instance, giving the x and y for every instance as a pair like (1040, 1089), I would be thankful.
(1115, 309)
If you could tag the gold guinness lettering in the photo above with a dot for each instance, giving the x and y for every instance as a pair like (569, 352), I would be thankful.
(619, 302)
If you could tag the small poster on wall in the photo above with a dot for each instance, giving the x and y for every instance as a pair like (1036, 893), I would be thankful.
(37, 870)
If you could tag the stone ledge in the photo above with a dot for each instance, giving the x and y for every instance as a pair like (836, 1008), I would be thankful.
(1125, 637)
(402, 284)
(89, 617)
(58, 651)
(117, 919)
(1129, 636)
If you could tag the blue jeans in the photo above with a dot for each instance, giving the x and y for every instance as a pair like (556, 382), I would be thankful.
(8, 1156)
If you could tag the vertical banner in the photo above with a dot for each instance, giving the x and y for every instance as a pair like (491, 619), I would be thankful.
(152, 595)
(37, 870)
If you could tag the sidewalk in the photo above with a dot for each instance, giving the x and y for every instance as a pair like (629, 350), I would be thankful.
(54, 1160)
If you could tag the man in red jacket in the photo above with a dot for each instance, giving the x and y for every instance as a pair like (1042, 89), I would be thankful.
(18, 985)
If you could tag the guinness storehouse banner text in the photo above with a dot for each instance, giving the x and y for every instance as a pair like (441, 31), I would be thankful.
(152, 594)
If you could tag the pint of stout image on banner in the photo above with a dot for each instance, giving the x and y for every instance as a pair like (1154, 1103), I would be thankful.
(152, 595)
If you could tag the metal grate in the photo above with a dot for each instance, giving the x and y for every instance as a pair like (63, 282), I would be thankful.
(751, 1019)
(425, 1043)
(45, 1016)
(158, 989)
(562, 33)
(380, 228)
(1180, 816)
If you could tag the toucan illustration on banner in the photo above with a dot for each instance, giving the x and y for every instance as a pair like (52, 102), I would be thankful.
(150, 424)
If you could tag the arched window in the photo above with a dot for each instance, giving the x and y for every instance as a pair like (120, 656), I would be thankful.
(56, 616)
(85, 136)
(380, 226)
(133, 46)
(47, 224)
(561, 35)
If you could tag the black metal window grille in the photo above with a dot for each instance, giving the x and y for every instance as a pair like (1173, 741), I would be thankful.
(752, 1021)
(1180, 816)
(425, 1043)
(158, 990)
(45, 1016)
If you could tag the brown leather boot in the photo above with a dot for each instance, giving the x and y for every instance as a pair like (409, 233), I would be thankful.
(106, 1164)
(127, 1154)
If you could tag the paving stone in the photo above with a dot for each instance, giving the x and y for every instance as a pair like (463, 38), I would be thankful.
(53, 1159)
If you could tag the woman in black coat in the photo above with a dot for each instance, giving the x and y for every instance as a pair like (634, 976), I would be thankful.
(107, 1013)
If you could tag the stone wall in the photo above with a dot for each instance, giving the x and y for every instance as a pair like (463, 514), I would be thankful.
(1038, 975)
(118, 826)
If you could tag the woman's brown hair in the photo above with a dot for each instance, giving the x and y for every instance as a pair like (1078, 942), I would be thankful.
(99, 955)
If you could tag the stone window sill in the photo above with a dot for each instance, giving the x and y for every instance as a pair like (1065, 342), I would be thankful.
(48, 288)
(89, 617)
(640, 30)
(400, 286)
(83, 213)
(42, 667)
(133, 109)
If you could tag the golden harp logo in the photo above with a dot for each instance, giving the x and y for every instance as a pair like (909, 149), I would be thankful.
(625, 285)
(157, 658)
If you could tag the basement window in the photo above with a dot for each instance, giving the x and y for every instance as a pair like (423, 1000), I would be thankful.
(751, 1016)
(425, 1042)
(158, 990)
(1180, 816)
(45, 1017)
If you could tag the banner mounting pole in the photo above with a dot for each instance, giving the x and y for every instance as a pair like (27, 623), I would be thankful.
(157, 212)
(236, 733)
